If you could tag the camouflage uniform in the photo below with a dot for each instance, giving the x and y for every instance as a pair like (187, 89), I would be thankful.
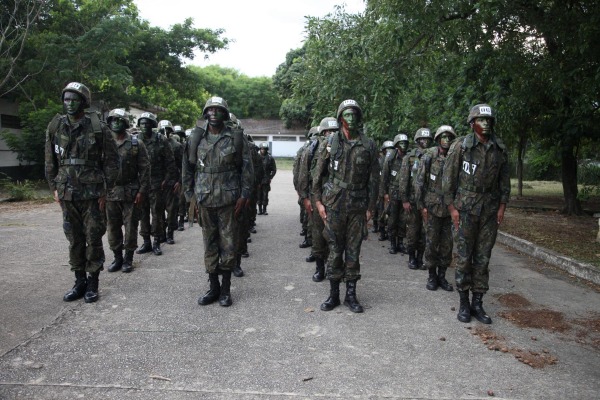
(120, 209)
(300, 179)
(396, 226)
(259, 172)
(172, 197)
(81, 161)
(162, 169)
(270, 169)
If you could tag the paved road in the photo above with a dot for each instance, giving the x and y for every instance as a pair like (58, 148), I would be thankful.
(148, 339)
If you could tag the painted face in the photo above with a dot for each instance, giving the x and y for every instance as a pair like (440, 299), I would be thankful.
(327, 132)
(402, 146)
(423, 142)
(216, 116)
(72, 102)
(118, 125)
(482, 126)
(445, 140)
(145, 126)
(350, 118)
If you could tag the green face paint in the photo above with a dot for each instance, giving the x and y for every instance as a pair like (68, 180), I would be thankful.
(118, 125)
(350, 116)
(72, 102)
(445, 140)
(145, 126)
(216, 116)
(482, 126)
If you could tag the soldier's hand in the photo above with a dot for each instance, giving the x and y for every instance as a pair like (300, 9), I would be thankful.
(56, 199)
(407, 207)
(102, 202)
(307, 205)
(369, 215)
(501, 210)
(162, 185)
(139, 199)
(321, 209)
(455, 216)
(386, 198)
(424, 214)
(176, 187)
(239, 206)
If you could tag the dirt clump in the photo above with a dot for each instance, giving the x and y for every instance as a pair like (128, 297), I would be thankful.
(549, 320)
(513, 300)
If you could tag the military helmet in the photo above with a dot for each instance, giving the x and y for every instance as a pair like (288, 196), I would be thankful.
(149, 116)
(312, 131)
(401, 137)
(178, 129)
(164, 124)
(119, 113)
(480, 110)
(388, 144)
(264, 145)
(344, 105)
(81, 90)
(328, 124)
(442, 129)
(423, 133)
(216, 102)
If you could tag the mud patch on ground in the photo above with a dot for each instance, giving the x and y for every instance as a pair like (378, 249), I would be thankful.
(513, 300)
(588, 331)
(548, 320)
(494, 342)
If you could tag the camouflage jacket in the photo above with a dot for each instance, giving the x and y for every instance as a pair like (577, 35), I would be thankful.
(389, 174)
(296, 166)
(476, 176)
(428, 183)
(269, 167)
(352, 172)
(257, 165)
(308, 161)
(81, 159)
(177, 149)
(221, 175)
(162, 161)
(410, 166)
(135, 170)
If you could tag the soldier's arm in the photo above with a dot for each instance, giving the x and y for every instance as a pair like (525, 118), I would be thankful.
(403, 179)
(304, 174)
(171, 169)
(504, 179)
(318, 172)
(143, 164)
(421, 180)
(111, 163)
(50, 160)
(187, 172)
(247, 171)
(384, 181)
(450, 174)
(374, 178)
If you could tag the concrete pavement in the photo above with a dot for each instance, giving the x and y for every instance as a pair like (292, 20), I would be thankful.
(146, 338)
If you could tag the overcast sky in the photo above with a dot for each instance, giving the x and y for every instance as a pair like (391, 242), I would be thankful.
(263, 30)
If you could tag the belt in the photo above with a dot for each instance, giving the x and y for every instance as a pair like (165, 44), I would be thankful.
(215, 170)
(349, 186)
(78, 161)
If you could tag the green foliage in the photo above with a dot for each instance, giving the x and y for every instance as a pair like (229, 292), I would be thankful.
(589, 177)
(17, 190)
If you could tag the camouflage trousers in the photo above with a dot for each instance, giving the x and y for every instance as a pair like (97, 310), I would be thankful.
(183, 205)
(122, 214)
(344, 233)
(242, 232)
(396, 223)
(263, 194)
(320, 248)
(172, 208)
(415, 234)
(218, 231)
(252, 206)
(380, 213)
(153, 205)
(474, 241)
(84, 225)
(438, 247)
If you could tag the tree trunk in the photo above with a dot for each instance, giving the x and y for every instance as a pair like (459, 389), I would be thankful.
(569, 181)
(520, 154)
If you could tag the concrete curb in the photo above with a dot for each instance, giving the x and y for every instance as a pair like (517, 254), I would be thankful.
(573, 267)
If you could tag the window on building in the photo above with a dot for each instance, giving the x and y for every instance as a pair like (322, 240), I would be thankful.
(260, 138)
(284, 138)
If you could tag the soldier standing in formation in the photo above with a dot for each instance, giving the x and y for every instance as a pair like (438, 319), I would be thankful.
(81, 163)
(389, 191)
(346, 201)
(387, 149)
(436, 217)
(270, 169)
(217, 167)
(163, 176)
(305, 218)
(415, 241)
(476, 187)
(126, 197)
(308, 161)
(172, 196)
(259, 172)
(183, 205)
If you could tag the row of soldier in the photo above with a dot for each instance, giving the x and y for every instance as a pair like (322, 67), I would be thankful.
(444, 191)
(108, 179)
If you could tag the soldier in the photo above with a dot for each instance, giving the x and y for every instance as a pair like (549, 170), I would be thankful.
(124, 200)
(172, 196)
(305, 217)
(81, 161)
(476, 187)
(270, 169)
(217, 167)
(163, 177)
(346, 201)
(386, 148)
(259, 172)
(183, 205)
(390, 193)
(415, 235)
(436, 217)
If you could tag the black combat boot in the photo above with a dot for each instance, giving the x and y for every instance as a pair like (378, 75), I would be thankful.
(477, 309)
(310, 258)
(375, 227)
(162, 238)
(305, 243)
(91, 291)
(382, 235)
(156, 247)
(146, 247)
(252, 230)
(78, 290)
(237, 270)
(334, 296)
(303, 232)
(180, 226)
(213, 293)
(393, 244)
(351, 301)
(420, 259)
(412, 259)
(464, 311)
(265, 210)
(170, 239)
(432, 281)
(128, 263)
(117, 262)
(401, 248)
(260, 210)
(444, 284)
(319, 274)
(225, 297)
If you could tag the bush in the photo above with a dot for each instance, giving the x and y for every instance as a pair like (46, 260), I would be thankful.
(18, 190)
